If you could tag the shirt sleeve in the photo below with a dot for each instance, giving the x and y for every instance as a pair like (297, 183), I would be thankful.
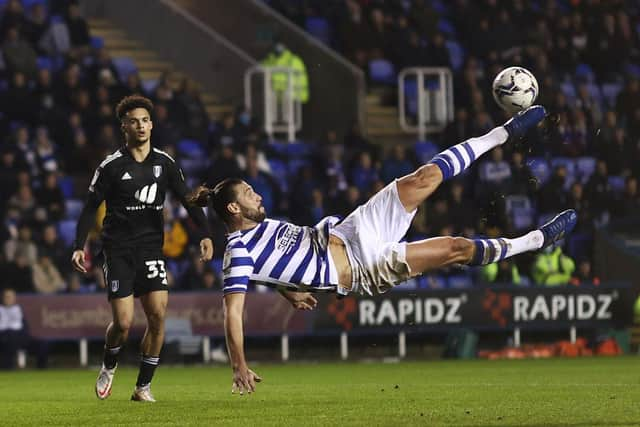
(97, 190)
(237, 267)
(179, 188)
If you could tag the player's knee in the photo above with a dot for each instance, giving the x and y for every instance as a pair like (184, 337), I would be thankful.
(156, 320)
(427, 176)
(461, 248)
(123, 324)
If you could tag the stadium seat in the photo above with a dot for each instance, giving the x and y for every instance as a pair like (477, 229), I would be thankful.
(610, 93)
(191, 148)
(72, 208)
(97, 42)
(586, 166)
(294, 166)
(124, 66)
(425, 150)
(279, 172)
(179, 333)
(585, 73)
(456, 54)
(633, 70)
(149, 85)
(382, 71)
(44, 62)
(520, 211)
(66, 186)
(67, 231)
(319, 28)
(539, 168)
(569, 91)
(297, 150)
(459, 281)
(411, 96)
(617, 183)
(446, 27)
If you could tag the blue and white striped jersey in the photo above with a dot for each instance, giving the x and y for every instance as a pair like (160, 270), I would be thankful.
(281, 254)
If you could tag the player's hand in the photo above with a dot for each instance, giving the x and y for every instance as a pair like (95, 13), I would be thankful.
(244, 380)
(206, 249)
(302, 300)
(77, 260)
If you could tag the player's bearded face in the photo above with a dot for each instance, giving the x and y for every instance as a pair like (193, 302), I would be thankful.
(254, 214)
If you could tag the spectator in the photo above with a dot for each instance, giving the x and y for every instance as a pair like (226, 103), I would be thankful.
(22, 205)
(364, 174)
(552, 267)
(20, 100)
(552, 196)
(19, 56)
(598, 190)
(495, 172)
(46, 156)
(584, 275)
(502, 272)
(165, 132)
(18, 273)
(50, 197)
(522, 181)
(13, 330)
(263, 184)
(396, 165)
(224, 165)
(281, 56)
(36, 25)
(628, 206)
(22, 244)
(175, 236)
(461, 209)
(78, 28)
(192, 111)
(46, 276)
(228, 132)
(51, 245)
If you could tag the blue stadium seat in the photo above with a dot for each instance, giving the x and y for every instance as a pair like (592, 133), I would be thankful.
(124, 66)
(617, 183)
(633, 70)
(297, 150)
(459, 281)
(539, 168)
(520, 211)
(586, 166)
(456, 54)
(67, 231)
(319, 28)
(294, 166)
(279, 171)
(191, 148)
(28, 4)
(610, 93)
(382, 71)
(425, 150)
(44, 62)
(97, 42)
(66, 186)
(569, 90)
(149, 86)
(193, 166)
(584, 72)
(411, 96)
(72, 208)
(446, 27)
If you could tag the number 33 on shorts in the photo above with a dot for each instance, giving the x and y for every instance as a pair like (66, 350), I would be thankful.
(156, 269)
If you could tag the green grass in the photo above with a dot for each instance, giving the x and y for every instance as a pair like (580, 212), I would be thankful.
(580, 392)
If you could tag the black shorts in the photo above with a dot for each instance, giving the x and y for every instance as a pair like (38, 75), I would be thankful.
(134, 271)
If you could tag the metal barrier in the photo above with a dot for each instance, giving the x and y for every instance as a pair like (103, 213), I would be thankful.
(426, 95)
(281, 111)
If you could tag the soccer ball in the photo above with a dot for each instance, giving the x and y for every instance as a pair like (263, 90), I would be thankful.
(514, 89)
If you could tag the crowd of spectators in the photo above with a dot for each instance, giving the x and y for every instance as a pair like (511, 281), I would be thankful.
(59, 94)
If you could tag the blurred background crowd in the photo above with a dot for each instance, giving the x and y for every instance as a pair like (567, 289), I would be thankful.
(57, 121)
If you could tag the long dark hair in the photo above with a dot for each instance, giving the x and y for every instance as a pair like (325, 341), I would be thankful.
(220, 196)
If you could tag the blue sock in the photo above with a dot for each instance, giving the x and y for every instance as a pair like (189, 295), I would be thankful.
(459, 157)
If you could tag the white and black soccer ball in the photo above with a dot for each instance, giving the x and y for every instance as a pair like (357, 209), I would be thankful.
(514, 89)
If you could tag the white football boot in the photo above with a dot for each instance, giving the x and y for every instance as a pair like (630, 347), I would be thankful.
(143, 394)
(104, 382)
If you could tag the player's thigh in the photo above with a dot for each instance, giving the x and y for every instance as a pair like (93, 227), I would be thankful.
(383, 218)
(154, 304)
(119, 268)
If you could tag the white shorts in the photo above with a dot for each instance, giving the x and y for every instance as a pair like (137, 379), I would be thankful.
(371, 235)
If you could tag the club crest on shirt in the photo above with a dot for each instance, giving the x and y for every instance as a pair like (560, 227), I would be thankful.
(157, 170)
(115, 285)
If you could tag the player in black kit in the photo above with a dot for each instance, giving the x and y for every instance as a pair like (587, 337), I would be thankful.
(134, 181)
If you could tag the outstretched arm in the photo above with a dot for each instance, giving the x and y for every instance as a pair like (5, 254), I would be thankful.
(244, 379)
(300, 300)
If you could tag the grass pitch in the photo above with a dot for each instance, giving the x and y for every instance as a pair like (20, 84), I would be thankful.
(580, 392)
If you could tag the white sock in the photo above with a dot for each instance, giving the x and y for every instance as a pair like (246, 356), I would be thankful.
(492, 250)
